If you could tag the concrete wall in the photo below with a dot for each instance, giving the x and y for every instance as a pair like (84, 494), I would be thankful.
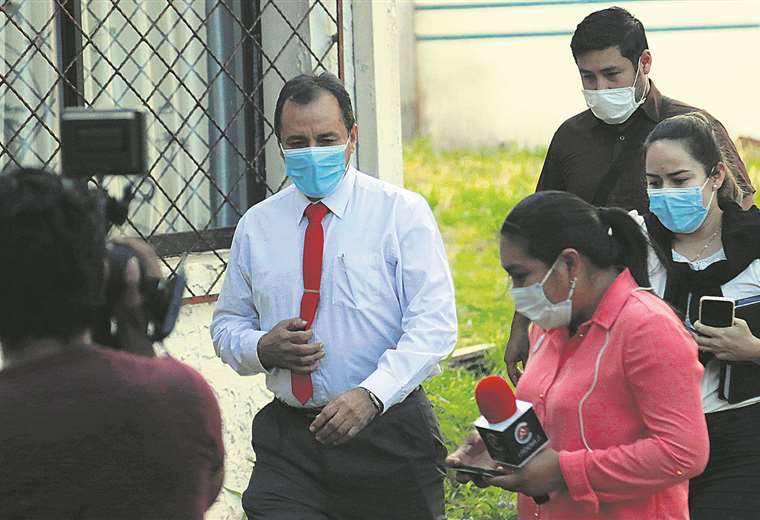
(485, 92)
(407, 60)
(377, 96)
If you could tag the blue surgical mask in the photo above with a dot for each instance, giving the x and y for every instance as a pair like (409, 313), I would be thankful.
(679, 209)
(532, 303)
(316, 171)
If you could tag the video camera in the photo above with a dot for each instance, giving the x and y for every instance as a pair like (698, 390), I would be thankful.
(101, 143)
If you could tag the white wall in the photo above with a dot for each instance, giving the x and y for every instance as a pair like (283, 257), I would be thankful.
(407, 69)
(476, 93)
(377, 101)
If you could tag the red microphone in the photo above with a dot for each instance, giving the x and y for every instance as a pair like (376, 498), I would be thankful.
(495, 399)
(509, 427)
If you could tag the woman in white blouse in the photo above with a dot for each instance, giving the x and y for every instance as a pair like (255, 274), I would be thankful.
(714, 250)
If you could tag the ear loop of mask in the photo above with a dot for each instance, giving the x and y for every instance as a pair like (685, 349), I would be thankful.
(646, 87)
(542, 338)
(572, 282)
(572, 288)
(712, 195)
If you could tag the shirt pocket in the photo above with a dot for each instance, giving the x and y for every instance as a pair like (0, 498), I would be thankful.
(274, 295)
(357, 280)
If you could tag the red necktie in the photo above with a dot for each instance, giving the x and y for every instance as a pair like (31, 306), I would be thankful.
(312, 275)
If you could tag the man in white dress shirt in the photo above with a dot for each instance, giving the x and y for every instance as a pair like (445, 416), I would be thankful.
(338, 289)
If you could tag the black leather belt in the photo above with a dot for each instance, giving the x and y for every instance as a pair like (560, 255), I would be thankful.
(309, 413)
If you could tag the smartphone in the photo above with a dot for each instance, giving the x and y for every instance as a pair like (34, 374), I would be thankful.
(475, 470)
(716, 311)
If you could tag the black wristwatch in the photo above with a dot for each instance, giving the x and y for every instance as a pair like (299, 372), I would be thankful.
(377, 403)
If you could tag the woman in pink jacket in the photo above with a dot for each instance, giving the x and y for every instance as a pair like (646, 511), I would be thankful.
(612, 375)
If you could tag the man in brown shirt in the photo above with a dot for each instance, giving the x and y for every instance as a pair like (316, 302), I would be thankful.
(603, 162)
(598, 154)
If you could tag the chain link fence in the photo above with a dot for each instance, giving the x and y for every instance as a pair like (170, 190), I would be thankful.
(199, 69)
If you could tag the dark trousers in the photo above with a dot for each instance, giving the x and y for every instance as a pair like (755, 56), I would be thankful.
(392, 470)
(729, 488)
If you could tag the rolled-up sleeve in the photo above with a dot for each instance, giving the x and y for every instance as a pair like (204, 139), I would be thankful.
(662, 370)
(235, 329)
(429, 322)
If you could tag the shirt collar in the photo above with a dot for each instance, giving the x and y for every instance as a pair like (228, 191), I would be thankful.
(336, 202)
(613, 300)
(653, 104)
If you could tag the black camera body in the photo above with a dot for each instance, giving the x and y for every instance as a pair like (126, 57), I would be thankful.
(100, 143)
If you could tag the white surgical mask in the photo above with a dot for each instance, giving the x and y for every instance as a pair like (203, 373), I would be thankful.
(615, 105)
(532, 303)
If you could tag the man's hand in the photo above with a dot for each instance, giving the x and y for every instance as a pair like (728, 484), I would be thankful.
(287, 346)
(517, 347)
(540, 476)
(344, 417)
(734, 343)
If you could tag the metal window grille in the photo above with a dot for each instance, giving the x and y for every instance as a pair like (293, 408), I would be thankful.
(198, 68)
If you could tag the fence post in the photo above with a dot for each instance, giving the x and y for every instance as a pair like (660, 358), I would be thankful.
(378, 97)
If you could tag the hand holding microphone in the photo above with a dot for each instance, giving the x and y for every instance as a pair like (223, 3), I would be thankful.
(509, 428)
(512, 440)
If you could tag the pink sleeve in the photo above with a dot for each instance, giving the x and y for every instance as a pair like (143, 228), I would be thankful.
(663, 373)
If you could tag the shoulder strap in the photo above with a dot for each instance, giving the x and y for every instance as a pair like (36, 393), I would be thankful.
(611, 178)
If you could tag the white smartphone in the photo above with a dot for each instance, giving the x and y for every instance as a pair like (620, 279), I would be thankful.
(716, 311)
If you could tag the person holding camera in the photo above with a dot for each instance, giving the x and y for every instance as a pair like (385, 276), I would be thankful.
(88, 432)
(713, 249)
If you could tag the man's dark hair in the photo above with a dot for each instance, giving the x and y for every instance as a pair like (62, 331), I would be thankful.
(613, 27)
(305, 88)
(51, 256)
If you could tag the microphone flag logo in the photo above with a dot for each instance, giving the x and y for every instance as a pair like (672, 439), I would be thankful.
(523, 435)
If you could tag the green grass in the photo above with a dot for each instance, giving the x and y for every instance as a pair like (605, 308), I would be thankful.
(752, 161)
(471, 192)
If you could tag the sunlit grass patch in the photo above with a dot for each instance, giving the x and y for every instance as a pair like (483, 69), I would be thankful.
(471, 192)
